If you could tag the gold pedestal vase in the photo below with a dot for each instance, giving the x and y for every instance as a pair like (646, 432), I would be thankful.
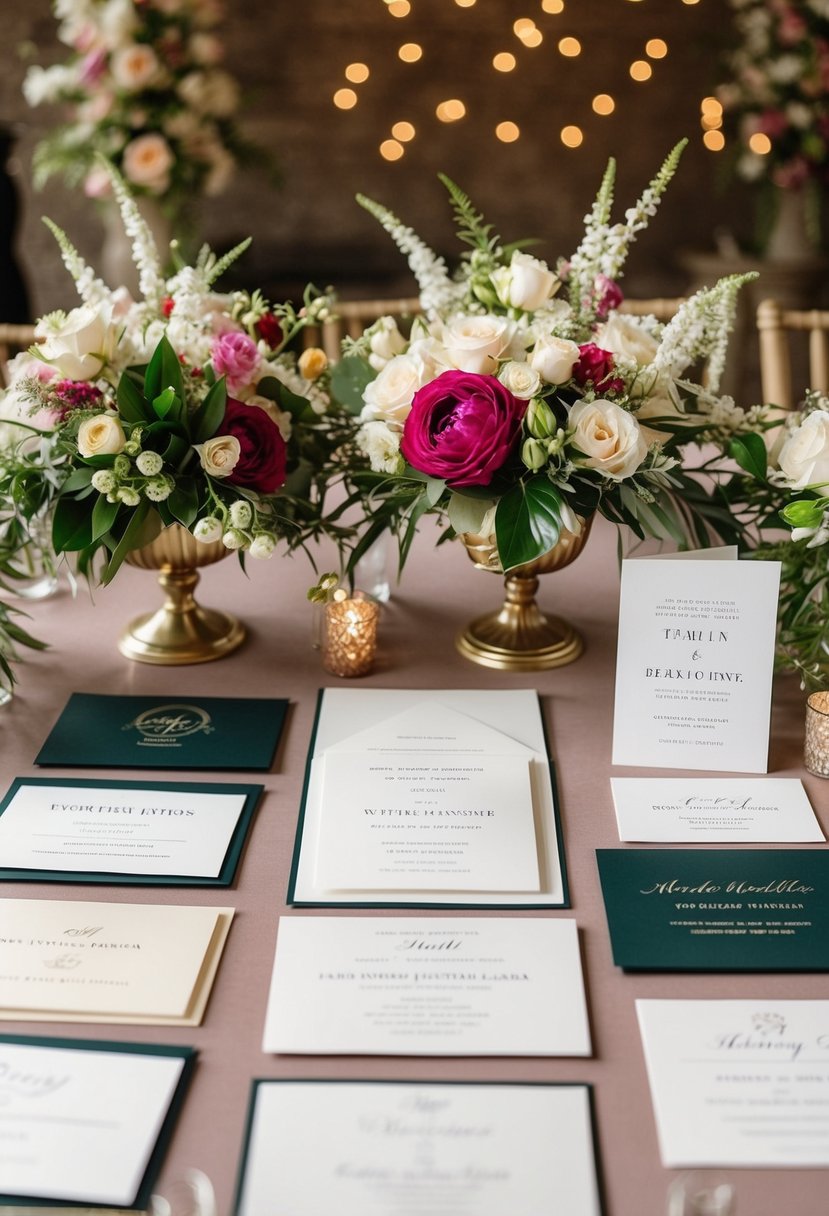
(520, 637)
(180, 631)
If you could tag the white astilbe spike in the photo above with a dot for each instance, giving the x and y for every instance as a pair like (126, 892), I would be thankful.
(145, 253)
(437, 291)
(585, 263)
(700, 330)
(91, 289)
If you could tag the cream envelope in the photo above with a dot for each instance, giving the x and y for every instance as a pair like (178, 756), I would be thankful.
(91, 962)
(433, 727)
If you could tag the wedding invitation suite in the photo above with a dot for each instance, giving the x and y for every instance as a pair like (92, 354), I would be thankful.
(151, 732)
(73, 1137)
(738, 1083)
(717, 909)
(170, 834)
(415, 986)
(713, 810)
(428, 798)
(73, 961)
(694, 664)
(377, 1148)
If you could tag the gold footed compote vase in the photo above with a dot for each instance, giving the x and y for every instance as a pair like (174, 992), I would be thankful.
(520, 637)
(181, 631)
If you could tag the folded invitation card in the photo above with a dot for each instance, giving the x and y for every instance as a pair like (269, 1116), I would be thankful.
(694, 664)
(173, 834)
(428, 798)
(717, 909)
(440, 986)
(90, 1121)
(373, 1148)
(714, 810)
(738, 1083)
(177, 732)
(75, 961)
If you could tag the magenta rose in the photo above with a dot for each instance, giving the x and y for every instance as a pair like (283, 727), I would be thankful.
(607, 295)
(235, 356)
(596, 367)
(263, 455)
(462, 427)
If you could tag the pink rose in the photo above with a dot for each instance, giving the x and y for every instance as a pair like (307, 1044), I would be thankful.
(263, 455)
(596, 367)
(236, 356)
(462, 427)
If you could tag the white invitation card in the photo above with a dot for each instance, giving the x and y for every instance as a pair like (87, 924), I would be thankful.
(428, 798)
(467, 986)
(738, 1083)
(75, 961)
(140, 830)
(374, 1149)
(695, 663)
(85, 1119)
(679, 810)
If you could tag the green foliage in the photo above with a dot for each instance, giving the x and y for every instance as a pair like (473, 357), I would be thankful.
(527, 521)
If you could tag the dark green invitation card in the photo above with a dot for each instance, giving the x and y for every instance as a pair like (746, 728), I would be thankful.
(225, 733)
(717, 909)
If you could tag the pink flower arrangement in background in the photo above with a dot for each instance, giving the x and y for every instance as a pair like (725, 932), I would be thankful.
(145, 89)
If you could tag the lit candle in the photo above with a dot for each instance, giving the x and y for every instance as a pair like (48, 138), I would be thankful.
(350, 642)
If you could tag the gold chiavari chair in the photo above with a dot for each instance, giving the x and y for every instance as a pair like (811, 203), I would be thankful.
(776, 325)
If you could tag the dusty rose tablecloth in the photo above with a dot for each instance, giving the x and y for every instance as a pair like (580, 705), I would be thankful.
(440, 590)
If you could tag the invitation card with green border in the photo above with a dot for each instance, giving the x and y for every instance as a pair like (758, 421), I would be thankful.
(99, 731)
(717, 909)
(182, 834)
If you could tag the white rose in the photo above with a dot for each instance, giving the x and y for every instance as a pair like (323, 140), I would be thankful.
(382, 446)
(389, 396)
(607, 437)
(804, 457)
(627, 338)
(521, 380)
(102, 435)
(554, 359)
(386, 342)
(82, 344)
(475, 344)
(147, 161)
(220, 455)
(210, 92)
(134, 66)
(118, 21)
(526, 283)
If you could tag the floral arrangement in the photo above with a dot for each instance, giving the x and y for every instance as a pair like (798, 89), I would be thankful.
(146, 91)
(780, 89)
(524, 400)
(185, 407)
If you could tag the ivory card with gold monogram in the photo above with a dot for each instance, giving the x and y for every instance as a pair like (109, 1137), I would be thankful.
(78, 961)
(124, 832)
(694, 663)
(228, 733)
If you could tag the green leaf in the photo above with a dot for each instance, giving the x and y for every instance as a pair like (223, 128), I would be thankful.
(349, 380)
(467, 514)
(210, 414)
(71, 526)
(103, 516)
(131, 404)
(141, 529)
(527, 522)
(163, 403)
(435, 487)
(78, 480)
(750, 453)
(292, 403)
(806, 513)
(183, 503)
(163, 371)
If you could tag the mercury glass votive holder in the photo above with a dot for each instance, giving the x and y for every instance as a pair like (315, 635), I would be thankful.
(701, 1193)
(349, 645)
(816, 746)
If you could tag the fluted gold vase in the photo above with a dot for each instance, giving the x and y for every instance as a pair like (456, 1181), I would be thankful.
(180, 631)
(520, 637)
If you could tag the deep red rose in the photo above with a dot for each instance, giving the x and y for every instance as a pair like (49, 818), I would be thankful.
(596, 367)
(261, 464)
(269, 330)
(462, 427)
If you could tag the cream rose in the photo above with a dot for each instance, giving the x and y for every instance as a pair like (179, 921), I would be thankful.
(607, 437)
(102, 435)
(382, 446)
(554, 359)
(220, 455)
(804, 457)
(526, 283)
(386, 342)
(148, 161)
(389, 396)
(475, 344)
(82, 344)
(627, 339)
(521, 380)
(134, 66)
